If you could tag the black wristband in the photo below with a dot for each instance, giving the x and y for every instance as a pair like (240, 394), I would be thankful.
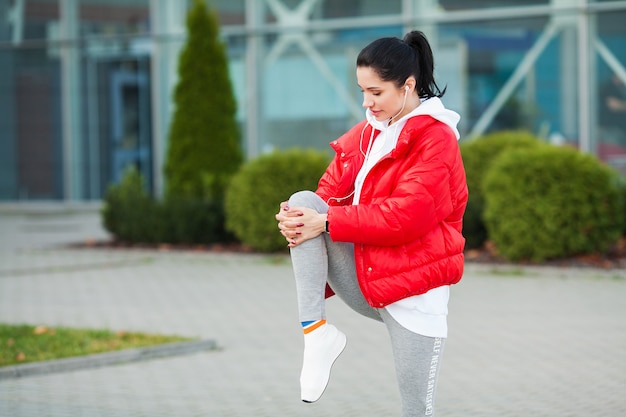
(326, 229)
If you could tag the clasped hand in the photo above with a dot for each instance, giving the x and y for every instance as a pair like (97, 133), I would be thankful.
(299, 224)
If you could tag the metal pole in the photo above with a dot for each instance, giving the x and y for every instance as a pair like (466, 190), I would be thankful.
(16, 17)
(70, 97)
(610, 59)
(254, 74)
(584, 80)
(168, 32)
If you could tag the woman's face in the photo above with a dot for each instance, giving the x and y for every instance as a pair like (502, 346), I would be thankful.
(382, 98)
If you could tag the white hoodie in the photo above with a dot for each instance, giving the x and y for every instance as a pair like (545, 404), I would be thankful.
(432, 107)
(424, 314)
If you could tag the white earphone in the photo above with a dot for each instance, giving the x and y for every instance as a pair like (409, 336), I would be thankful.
(406, 93)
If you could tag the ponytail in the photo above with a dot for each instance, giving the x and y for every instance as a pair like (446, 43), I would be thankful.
(395, 60)
(425, 65)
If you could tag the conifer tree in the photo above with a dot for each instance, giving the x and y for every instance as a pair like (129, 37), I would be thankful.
(203, 145)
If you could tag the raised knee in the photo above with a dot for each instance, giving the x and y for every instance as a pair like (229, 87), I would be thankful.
(303, 198)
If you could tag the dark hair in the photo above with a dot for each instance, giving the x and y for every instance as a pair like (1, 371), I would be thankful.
(396, 59)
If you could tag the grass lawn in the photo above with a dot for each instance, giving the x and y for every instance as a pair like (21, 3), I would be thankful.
(23, 343)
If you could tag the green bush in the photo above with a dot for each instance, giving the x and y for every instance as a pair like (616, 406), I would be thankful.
(132, 216)
(128, 212)
(551, 202)
(203, 145)
(478, 155)
(259, 187)
(192, 221)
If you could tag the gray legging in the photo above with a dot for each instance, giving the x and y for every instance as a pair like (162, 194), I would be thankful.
(417, 358)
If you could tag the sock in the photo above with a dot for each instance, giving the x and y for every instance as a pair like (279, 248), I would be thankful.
(309, 326)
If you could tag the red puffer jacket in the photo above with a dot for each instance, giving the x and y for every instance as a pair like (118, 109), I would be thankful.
(406, 228)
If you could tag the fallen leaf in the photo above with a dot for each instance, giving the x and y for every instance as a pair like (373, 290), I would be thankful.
(10, 342)
(20, 357)
(40, 330)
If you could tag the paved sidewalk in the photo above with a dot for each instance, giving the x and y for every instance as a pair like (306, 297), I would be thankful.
(523, 341)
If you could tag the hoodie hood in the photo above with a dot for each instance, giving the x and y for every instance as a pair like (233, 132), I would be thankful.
(432, 107)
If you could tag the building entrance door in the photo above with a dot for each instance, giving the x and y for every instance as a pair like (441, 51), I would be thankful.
(120, 119)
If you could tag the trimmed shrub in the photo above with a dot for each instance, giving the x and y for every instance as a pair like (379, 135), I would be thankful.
(478, 155)
(551, 202)
(203, 145)
(191, 221)
(255, 192)
(129, 213)
(132, 216)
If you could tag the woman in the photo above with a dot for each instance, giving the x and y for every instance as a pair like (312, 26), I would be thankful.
(383, 229)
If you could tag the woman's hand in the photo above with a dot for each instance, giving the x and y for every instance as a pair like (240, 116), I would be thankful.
(299, 224)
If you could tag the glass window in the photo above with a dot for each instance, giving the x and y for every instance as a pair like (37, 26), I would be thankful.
(115, 92)
(230, 12)
(108, 100)
(610, 132)
(310, 98)
(30, 150)
(30, 20)
(515, 76)
(114, 17)
(7, 21)
(31, 163)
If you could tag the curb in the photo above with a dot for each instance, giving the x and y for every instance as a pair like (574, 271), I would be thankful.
(50, 207)
(106, 359)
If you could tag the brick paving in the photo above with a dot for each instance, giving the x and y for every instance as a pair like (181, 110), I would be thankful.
(523, 341)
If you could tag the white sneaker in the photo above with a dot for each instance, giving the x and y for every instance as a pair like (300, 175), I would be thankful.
(321, 348)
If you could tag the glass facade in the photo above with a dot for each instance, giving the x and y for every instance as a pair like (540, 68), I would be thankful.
(86, 85)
